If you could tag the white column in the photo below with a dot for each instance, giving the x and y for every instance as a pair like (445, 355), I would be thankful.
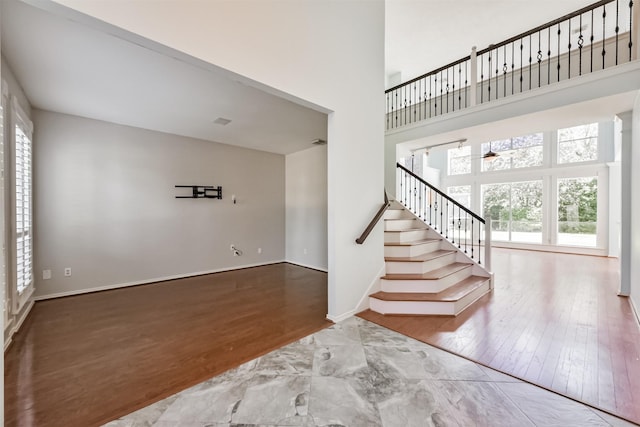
(627, 193)
(473, 82)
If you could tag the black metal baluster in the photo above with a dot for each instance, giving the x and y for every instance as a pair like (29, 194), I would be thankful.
(539, 57)
(435, 90)
(521, 65)
(617, 29)
(479, 242)
(466, 220)
(504, 71)
(441, 92)
(489, 79)
(530, 60)
(430, 95)
(559, 31)
(580, 43)
(513, 65)
(472, 242)
(630, 28)
(592, 39)
(569, 52)
(447, 90)
(387, 110)
(459, 227)
(496, 62)
(549, 56)
(415, 98)
(435, 213)
(604, 15)
(466, 80)
(441, 214)
(452, 221)
(420, 98)
(481, 78)
(459, 86)
(404, 96)
(396, 105)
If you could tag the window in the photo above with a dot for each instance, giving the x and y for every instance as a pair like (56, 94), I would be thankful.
(577, 211)
(22, 261)
(459, 160)
(513, 153)
(458, 221)
(578, 144)
(514, 211)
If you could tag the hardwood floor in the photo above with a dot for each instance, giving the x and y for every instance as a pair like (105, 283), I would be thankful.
(553, 320)
(88, 359)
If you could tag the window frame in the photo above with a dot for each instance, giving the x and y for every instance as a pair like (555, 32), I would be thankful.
(19, 118)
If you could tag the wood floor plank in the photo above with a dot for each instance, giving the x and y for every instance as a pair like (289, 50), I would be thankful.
(554, 320)
(88, 359)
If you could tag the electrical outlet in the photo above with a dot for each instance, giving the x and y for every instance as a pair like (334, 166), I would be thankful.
(67, 272)
(259, 250)
(46, 274)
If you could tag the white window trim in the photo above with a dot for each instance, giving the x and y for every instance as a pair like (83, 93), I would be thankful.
(18, 115)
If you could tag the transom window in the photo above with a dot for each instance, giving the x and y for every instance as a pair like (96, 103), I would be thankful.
(459, 160)
(578, 144)
(518, 152)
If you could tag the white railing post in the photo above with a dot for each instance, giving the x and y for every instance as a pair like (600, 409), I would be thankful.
(487, 246)
(473, 82)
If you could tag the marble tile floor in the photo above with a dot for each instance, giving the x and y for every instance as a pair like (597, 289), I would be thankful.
(356, 373)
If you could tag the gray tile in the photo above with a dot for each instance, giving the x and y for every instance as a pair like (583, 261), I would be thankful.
(341, 402)
(342, 333)
(119, 423)
(545, 408)
(339, 360)
(215, 402)
(396, 362)
(375, 335)
(440, 364)
(412, 404)
(273, 400)
(613, 421)
(293, 359)
(471, 403)
(149, 414)
(497, 376)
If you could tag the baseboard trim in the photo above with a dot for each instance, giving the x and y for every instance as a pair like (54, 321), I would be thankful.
(312, 267)
(341, 317)
(16, 325)
(148, 281)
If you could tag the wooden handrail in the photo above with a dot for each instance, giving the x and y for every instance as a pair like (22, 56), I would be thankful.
(360, 240)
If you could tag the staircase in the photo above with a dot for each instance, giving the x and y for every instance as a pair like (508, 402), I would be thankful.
(425, 274)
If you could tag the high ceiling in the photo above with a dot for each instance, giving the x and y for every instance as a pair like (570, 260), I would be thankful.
(422, 35)
(70, 68)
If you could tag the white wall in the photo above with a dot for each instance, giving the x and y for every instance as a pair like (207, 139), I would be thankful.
(306, 208)
(105, 205)
(329, 53)
(634, 280)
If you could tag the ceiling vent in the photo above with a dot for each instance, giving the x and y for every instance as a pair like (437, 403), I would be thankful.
(222, 121)
(319, 142)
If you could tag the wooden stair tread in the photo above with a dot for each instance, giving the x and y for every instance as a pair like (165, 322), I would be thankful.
(412, 243)
(430, 275)
(406, 229)
(401, 219)
(421, 258)
(452, 294)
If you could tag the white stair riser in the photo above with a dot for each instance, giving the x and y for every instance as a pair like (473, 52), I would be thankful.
(472, 297)
(411, 251)
(401, 224)
(412, 307)
(409, 267)
(425, 286)
(397, 214)
(406, 236)
(443, 308)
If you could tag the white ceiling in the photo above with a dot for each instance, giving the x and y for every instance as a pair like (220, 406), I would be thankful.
(422, 35)
(67, 67)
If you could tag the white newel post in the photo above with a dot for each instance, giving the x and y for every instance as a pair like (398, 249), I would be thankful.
(473, 82)
(487, 246)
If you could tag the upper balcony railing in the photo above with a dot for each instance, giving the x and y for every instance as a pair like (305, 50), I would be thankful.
(596, 37)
